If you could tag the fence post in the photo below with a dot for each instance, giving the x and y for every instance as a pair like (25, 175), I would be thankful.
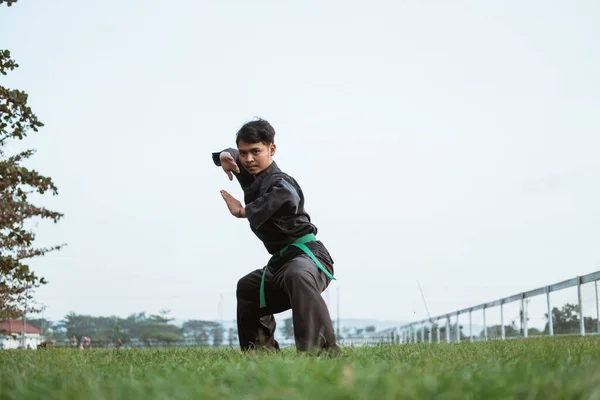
(597, 309)
(502, 329)
(447, 329)
(485, 335)
(430, 332)
(437, 325)
(581, 321)
(415, 335)
(457, 329)
(524, 316)
(549, 306)
(470, 325)
(422, 333)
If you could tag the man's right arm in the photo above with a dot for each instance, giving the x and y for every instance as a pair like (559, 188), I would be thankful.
(243, 177)
(216, 156)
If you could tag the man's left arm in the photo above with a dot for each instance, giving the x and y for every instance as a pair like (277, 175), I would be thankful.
(281, 195)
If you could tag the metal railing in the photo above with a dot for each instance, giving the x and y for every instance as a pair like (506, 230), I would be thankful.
(409, 333)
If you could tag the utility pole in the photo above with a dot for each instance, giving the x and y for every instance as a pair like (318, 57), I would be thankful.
(24, 322)
(221, 328)
(221, 308)
(338, 315)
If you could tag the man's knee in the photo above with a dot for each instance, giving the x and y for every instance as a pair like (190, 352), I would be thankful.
(244, 286)
(300, 271)
(249, 285)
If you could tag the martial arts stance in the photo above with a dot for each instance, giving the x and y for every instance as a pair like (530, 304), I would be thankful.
(300, 267)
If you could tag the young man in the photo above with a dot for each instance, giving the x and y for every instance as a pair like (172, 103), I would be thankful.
(300, 267)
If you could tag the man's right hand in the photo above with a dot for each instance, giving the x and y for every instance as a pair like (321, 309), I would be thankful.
(228, 164)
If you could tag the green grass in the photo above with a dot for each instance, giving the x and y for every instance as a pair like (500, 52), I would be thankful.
(547, 368)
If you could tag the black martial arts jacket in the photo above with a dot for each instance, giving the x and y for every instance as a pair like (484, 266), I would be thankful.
(275, 210)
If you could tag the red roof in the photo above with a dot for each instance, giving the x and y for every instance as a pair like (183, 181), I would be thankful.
(12, 326)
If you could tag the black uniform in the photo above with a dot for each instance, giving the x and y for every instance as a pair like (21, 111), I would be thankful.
(275, 211)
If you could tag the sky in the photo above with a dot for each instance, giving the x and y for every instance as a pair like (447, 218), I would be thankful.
(451, 145)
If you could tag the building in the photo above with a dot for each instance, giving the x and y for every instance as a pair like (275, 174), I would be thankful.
(11, 335)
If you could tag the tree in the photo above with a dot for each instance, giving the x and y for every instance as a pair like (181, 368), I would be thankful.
(133, 324)
(287, 330)
(534, 332)
(232, 336)
(218, 334)
(495, 331)
(158, 329)
(49, 329)
(199, 330)
(370, 329)
(108, 329)
(202, 331)
(566, 320)
(46, 327)
(100, 329)
(17, 183)
(78, 325)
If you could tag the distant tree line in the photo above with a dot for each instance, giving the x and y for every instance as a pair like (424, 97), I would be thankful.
(138, 327)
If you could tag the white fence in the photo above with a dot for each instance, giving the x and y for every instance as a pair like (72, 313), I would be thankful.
(422, 331)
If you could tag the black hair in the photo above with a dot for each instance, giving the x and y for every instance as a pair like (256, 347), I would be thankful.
(256, 131)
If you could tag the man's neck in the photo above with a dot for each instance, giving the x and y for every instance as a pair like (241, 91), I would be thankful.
(266, 170)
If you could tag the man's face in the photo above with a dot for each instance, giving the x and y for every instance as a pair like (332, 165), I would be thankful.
(255, 157)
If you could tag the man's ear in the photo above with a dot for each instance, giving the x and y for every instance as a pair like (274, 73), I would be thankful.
(272, 149)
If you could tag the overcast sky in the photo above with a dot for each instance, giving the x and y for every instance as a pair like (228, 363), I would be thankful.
(454, 144)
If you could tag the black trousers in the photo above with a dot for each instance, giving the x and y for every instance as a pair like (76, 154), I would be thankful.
(298, 285)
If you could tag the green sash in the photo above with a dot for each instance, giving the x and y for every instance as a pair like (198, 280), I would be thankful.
(299, 243)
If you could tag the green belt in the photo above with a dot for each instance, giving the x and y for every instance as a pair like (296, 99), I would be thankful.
(299, 243)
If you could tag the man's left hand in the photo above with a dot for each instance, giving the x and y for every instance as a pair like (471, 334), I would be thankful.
(234, 205)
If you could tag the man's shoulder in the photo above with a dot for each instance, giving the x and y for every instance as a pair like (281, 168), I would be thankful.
(278, 176)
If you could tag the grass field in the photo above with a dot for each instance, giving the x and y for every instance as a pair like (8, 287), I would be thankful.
(548, 368)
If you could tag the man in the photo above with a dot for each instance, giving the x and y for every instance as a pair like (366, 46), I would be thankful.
(300, 267)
